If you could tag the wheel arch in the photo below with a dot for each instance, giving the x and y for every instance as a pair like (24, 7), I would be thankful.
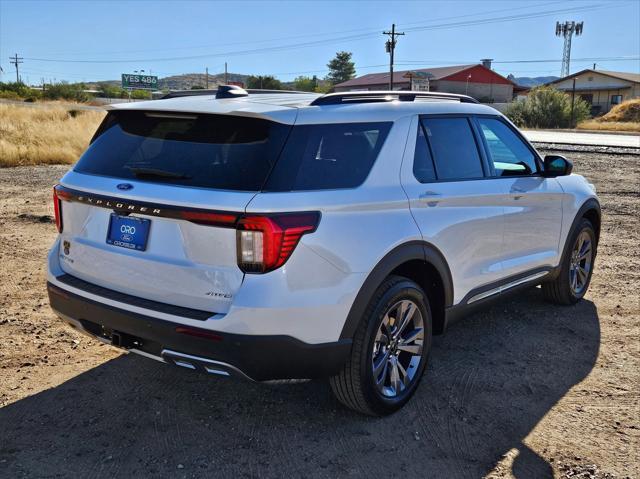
(419, 261)
(590, 210)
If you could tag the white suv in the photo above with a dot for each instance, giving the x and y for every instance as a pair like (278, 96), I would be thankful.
(276, 235)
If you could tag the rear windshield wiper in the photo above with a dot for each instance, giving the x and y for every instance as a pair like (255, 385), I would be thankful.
(140, 171)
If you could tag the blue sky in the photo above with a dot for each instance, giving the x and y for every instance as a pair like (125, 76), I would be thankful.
(291, 38)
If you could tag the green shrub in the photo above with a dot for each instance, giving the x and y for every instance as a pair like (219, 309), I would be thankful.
(546, 107)
(66, 91)
(141, 95)
(111, 91)
(17, 91)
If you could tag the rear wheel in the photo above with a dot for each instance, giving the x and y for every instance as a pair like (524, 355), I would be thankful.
(390, 350)
(572, 282)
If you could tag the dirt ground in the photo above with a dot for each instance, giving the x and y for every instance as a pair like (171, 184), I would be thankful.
(525, 389)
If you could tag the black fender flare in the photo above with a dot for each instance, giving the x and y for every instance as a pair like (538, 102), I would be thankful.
(592, 204)
(412, 250)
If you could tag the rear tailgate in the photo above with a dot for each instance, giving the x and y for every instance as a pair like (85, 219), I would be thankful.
(184, 263)
(150, 208)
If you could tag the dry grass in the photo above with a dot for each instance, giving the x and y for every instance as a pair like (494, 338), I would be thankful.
(609, 125)
(36, 136)
(622, 117)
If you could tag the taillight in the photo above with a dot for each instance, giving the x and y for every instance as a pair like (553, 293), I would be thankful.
(58, 195)
(266, 242)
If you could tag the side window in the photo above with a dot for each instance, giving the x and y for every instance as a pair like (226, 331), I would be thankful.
(509, 154)
(454, 148)
(327, 156)
(422, 162)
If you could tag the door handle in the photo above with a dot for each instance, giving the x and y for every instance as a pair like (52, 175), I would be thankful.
(431, 198)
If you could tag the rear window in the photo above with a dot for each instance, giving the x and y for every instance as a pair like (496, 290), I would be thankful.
(210, 151)
(328, 156)
(232, 152)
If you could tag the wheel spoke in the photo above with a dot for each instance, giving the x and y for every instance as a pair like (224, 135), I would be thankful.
(384, 329)
(584, 250)
(378, 364)
(395, 375)
(408, 312)
(574, 279)
(404, 377)
(415, 349)
(417, 333)
(582, 275)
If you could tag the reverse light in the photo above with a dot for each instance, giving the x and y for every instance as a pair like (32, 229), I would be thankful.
(266, 242)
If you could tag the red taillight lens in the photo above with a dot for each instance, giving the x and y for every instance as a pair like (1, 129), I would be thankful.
(59, 194)
(210, 218)
(57, 209)
(266, 242)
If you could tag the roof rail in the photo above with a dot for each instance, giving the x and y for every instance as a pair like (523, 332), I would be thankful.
(225, 91)
(383, 96)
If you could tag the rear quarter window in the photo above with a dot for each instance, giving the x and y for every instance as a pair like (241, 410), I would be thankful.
(328, 156)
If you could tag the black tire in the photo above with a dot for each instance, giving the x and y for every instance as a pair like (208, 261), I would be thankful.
(560, 290)
(355, 386)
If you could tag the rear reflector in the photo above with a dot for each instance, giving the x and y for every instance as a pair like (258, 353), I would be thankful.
(198, 333)
(266, 242)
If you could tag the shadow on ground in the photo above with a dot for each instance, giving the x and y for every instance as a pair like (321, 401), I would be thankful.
(492, 377)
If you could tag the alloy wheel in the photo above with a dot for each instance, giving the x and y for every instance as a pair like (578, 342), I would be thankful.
(398, 347)
(581, 263)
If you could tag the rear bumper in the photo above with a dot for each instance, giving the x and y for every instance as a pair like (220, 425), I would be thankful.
(257, 357)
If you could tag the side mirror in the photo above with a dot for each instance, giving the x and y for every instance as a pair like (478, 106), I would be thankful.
(556, 165)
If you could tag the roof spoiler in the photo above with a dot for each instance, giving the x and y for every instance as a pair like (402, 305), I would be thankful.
(225, 91)
(384, 96)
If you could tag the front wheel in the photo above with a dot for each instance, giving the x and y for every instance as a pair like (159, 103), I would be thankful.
(576, 269)
(390, 350)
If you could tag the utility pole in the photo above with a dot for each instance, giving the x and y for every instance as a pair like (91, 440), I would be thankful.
(226, 79)
(16, 60)
(206, 77)
(573, 101)
(567, 30)
(390, 46)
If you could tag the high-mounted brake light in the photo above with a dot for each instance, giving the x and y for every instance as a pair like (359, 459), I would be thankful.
(58, 195)
(266, 242)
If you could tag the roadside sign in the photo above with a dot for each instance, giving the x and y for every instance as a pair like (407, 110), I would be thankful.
(419, 80)
(139, 82)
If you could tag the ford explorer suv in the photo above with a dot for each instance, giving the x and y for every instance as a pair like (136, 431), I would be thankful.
(285, 235)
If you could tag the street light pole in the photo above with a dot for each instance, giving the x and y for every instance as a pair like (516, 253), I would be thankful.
(466, 90)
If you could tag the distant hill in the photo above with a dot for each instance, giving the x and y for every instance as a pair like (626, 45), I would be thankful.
(183, 82)
(188, 80)
(530, 82)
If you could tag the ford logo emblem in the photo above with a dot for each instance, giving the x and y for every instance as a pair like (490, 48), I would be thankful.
(124, 186)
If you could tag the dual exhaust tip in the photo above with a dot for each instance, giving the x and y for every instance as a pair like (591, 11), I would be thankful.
(204, 365)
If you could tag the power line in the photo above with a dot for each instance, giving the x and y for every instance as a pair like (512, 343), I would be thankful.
(355, 37)
(372, 31)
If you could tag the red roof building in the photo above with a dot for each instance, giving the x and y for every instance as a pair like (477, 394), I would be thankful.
(477, 81)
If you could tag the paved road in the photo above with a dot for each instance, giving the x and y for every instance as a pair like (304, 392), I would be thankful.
(579, 138)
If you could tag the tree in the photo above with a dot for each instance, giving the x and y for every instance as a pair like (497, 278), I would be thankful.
(341, 68)
(264, 82)
(303, 83)
(546, 107)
